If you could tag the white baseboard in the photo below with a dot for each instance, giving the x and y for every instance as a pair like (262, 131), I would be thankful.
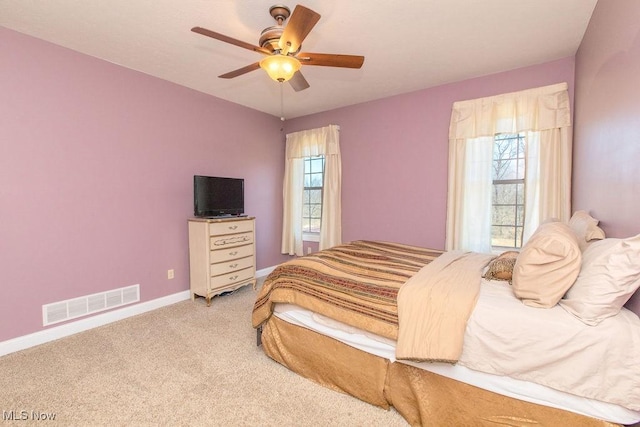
(51, 334)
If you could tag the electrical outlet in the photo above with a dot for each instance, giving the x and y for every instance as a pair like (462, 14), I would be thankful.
(170, 274)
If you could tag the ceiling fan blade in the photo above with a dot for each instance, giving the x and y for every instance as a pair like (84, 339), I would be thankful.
(330, 60)
(230, 40)
(298, 82)
(300, 24)
(240, 71)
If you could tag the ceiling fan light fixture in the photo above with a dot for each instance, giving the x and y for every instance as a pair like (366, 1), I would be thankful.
(280, 67)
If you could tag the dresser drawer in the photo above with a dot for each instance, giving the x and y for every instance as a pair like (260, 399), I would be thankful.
(231, 253)
(231, 278)
(229, 227)
(231, 240)
(232, 265)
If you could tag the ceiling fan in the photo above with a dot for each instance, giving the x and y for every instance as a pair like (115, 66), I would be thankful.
(281, 46)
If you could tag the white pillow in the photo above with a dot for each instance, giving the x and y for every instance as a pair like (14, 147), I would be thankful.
(586, 228)
(547, 266)
(609, 276)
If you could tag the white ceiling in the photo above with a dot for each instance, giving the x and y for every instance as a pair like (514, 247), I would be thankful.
(408, 44)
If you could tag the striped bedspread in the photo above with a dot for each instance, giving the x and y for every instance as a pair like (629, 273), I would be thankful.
(356, 283)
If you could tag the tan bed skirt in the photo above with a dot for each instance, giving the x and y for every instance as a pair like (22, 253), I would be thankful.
(421, 397)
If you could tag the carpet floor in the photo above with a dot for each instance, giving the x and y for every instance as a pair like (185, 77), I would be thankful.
(181, 365)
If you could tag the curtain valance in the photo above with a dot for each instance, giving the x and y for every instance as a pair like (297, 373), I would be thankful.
(528, 110)
(313, 142)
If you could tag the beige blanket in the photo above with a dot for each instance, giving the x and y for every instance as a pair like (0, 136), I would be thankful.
(435, 304)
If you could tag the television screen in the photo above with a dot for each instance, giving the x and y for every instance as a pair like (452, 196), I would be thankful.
(217, 196)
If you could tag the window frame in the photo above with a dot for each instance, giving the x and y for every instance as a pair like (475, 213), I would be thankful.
(520, 155)
(307, 234)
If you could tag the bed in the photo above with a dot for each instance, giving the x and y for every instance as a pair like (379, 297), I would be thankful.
(339, 316)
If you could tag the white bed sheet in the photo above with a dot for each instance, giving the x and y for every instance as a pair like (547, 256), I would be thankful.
(523, 390)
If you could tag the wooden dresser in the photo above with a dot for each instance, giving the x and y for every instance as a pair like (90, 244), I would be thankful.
(222, 255)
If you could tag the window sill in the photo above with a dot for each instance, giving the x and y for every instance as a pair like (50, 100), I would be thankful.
(311, 237)
(497, 250)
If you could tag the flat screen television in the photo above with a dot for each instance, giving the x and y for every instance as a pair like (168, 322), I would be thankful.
(216, 196)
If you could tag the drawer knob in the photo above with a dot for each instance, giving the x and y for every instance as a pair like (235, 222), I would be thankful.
(233, 227)
(233, 253)
(233, 277)
(233, 265)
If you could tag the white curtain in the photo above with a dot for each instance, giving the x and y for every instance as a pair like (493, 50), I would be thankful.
(314, 142)
(544, 114)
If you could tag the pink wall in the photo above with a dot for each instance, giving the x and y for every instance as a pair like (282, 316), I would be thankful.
(607, 120)
(394, 154)
(96, 170)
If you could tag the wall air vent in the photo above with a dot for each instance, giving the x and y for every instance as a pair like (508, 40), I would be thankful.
(89, 304)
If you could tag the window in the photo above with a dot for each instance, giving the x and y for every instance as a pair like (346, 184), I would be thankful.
(507, 205)
(488, 206)
(312, 196)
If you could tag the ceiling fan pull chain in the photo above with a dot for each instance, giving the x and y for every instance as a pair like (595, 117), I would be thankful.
(281, 102)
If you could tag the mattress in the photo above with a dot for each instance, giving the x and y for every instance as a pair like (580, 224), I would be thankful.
(518, 389)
